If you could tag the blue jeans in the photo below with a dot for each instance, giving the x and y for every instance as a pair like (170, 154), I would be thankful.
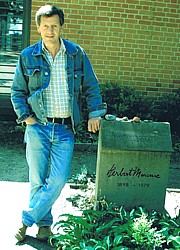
(49, 153)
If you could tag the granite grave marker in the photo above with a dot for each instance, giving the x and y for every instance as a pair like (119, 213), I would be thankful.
(133, 163)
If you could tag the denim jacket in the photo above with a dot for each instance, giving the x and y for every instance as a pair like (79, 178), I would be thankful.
(32, 76)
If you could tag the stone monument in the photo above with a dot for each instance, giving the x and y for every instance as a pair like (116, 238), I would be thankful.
(133, 163)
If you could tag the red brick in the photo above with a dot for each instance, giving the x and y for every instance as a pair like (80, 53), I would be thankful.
(139, 41)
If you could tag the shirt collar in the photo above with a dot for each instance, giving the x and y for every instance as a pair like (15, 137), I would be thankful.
(62, 48)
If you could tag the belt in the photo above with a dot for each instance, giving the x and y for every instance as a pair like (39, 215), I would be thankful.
(66, 121)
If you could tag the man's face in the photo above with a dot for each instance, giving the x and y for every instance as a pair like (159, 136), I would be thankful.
(50, 29)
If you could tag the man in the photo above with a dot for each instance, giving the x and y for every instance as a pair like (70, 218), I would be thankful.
(45, 95)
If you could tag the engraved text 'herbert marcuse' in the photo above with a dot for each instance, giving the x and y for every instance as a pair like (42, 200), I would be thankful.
(133, 172)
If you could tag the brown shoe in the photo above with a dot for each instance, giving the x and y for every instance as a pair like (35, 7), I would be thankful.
(21, 234)
(44, 233)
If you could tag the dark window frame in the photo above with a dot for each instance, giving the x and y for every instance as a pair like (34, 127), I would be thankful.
(26, 23)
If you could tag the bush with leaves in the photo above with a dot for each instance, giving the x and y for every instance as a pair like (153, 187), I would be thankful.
(144, 235)
(168, 109)
(113, 228)
(124, 101)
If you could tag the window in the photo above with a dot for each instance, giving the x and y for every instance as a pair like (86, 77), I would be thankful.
(14, 36)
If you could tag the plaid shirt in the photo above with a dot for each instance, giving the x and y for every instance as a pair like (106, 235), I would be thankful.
(56, 96)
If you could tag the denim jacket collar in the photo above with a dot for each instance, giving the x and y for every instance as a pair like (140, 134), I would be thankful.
(70, 48)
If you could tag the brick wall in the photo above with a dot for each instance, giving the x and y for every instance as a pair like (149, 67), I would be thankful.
(132, 42)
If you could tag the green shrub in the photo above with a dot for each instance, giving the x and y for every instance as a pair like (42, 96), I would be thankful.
(114, 228)
(144, 235)
(168, 109)
(125, 101)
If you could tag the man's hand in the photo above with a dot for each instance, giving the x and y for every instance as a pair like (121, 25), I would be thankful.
(30, 121)
(94, 124)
